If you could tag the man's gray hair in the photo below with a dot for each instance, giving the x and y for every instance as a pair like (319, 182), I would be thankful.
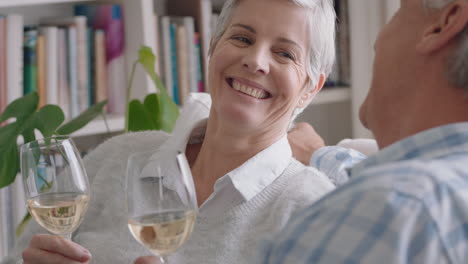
(457, 64)
(321, 20)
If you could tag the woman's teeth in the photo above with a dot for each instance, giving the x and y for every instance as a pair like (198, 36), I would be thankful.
(256, 93)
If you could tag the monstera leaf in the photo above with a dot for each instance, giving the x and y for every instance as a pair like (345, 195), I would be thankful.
(27, 119)
(158, 111)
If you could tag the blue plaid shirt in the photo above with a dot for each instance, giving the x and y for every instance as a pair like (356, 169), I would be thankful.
(407, 204)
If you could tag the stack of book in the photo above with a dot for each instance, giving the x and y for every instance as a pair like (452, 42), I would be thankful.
(73, 61)
(180, 53)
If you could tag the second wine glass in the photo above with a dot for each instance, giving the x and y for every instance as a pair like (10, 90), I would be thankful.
(55, 183)
(161, 201)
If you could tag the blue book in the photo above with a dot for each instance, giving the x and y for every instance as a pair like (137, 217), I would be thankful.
(175, 82)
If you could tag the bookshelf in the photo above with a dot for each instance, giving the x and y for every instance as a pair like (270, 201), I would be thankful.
(140, 29)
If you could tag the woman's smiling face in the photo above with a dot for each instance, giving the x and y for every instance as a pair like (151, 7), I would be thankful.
(257, 72)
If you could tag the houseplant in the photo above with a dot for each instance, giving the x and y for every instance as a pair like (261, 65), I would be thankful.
(157, 112)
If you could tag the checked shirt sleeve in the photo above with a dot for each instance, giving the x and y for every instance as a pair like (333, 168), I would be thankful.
(334, 161)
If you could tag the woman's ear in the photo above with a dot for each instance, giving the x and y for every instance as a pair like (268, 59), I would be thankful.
(451, 21)
(309, 94)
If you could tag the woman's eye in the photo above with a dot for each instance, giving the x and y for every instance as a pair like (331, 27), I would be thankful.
(286, 55)
(242, 39)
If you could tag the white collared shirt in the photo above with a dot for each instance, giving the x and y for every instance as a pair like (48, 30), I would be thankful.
(242, 183)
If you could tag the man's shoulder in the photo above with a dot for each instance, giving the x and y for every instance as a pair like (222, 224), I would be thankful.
(418, 179)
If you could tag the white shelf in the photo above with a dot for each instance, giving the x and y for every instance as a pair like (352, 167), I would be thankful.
(14, 3)
(332, 95)
(97, 126)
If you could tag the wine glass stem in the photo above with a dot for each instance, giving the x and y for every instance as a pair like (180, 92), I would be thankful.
(163, 260)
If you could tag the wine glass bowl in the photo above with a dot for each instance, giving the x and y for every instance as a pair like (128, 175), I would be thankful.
(161, 201)
(55, 183)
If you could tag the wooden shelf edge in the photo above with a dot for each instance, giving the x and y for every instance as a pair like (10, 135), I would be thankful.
(332, 95)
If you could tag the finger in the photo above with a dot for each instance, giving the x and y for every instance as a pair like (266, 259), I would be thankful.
(60, 246)
(38, 256)
(147, 260)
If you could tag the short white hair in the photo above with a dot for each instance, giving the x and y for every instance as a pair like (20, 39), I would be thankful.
(457, 64)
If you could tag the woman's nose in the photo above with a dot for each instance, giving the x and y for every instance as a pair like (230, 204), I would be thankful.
(256, 61)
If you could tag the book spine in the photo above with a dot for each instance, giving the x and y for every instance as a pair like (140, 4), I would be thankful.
(63, 88)
(182, 63)
(72, 71)
(82, 59)
(175, 82)
(3, 81)
(100, 65)
(91, 69)
(30, 60)
(51, 48)
(41, 70)
(189, 24)
(14, 56)
(166, 51)
(199, 67)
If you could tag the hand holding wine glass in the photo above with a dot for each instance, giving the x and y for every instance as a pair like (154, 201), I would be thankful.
(161, 201)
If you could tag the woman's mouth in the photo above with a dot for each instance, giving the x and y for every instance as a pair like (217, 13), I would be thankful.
(248, 90)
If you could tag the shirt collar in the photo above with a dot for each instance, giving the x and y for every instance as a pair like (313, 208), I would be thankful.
(429, 144)
(262, 169)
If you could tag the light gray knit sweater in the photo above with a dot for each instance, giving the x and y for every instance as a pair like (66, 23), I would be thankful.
(234, 237)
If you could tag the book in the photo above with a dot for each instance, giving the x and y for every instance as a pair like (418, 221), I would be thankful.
(343, 45)
(108, 17)
(3, 81)
(51, 59)
(63, 87)
(72, 74)
(14, 56)
(30, 60)
(100, 65)
(41, 70)
(183, 55)
(199, 64)
(82, 52)
(166, 51)
(174, 73)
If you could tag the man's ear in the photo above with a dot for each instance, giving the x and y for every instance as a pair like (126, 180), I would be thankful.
(309, 94)
(452, 20)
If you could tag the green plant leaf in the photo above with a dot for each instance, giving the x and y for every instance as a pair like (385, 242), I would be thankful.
(152, 106)
(82, 120)
(169, 113)
(48, 118)
(21, 108)
(9, 164)
(142, 118)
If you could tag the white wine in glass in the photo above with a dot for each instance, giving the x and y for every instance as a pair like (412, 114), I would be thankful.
(56, 185)
(161, 201)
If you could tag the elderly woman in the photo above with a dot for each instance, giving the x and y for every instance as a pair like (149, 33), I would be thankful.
(268, 59)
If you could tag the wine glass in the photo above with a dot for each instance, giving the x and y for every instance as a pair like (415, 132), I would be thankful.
(161, 201)
(55, 183)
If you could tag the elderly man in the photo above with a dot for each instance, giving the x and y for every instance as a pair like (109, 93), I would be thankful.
(409, 202)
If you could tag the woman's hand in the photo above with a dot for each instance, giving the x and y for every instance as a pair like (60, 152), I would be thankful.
(54, 249)
(304, 142)
(147, 260)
